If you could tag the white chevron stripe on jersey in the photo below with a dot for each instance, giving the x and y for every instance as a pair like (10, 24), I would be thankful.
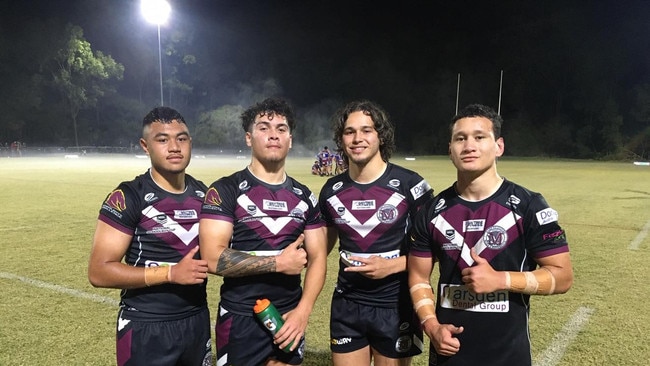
(274, 226)
(186, 236)
(506, 223)
(363, 229)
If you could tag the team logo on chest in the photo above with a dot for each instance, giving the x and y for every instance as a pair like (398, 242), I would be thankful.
(387, 214)
(495, 237)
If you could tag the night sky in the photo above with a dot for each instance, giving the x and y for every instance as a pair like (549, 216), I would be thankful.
(405, 55)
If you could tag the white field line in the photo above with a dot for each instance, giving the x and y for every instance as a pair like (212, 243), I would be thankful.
(61, 289)
(554, 353)
(634, 245)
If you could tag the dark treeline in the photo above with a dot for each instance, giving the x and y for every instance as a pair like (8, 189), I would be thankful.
(575, 76)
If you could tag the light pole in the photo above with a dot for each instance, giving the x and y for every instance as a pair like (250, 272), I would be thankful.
(157, 12)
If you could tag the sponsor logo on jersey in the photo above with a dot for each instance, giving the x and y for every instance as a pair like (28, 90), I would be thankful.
(441, 203)
(420, 189)
(546, 216)
(459, 297)
(337, 186)
(363, 205)
(251, 209)
(557, 235)
(270, 205)
(473, 225)
(394, 183)
(495, 237)
(149, 197)
(185, 214)
(313, 199)
(212, 197)
(297, 191)
(387, 214)
(513, 200)
(199, 194)
(116, 200)
(243, 185)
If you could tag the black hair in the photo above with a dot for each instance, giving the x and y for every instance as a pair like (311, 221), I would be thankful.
(480, 110)
(381, 119)
(268, 107)
(162, 115)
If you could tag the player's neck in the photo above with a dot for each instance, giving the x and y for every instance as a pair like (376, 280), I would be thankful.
(478, 188)
(170, 182)
(271, 173)
(367, 173)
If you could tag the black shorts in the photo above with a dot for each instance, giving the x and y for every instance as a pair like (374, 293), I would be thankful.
(243, 340)
(393, 332)
(176, 342)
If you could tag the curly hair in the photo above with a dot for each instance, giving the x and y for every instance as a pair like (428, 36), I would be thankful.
(381, 119)
(268, 107)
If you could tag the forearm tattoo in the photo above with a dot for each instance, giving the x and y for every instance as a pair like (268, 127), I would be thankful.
(233, 263)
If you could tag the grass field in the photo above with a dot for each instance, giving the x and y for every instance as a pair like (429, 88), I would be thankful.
(51, 315)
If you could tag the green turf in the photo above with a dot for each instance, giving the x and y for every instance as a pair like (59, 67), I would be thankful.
(49, 208)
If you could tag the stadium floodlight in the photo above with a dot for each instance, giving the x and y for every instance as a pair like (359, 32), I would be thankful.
(157, 12)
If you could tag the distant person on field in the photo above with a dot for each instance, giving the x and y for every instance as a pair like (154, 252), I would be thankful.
(253, 224)
(496, 243)
(146, 243)
(325, 159)
(315, 168)
(368, 210)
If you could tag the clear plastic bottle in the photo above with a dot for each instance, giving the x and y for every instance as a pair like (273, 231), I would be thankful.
(270, 318)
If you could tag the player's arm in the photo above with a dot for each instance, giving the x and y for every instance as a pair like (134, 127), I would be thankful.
(297, 319)
(106, 269)
(554, 276)
(214, 239)
(442, 336)
(332, 234)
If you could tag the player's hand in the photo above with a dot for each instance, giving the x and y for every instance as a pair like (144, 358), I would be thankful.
(374, 267)
(293, 258)
(443, 337)
(481, 278)
(189, 271)
(295, 324)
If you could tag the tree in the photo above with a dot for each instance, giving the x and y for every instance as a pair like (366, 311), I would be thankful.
(79, 74)
(221, 128)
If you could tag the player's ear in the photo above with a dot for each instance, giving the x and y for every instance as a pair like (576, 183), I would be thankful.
(143, 145)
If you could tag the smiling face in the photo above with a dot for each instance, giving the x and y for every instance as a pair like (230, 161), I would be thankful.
(168, 145)
(269, 138)
(360, 139)
(473, 148)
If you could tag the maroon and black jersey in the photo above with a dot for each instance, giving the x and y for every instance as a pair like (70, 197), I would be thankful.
(164, 227)
(374, 219)
(266, 218)
(510, 229)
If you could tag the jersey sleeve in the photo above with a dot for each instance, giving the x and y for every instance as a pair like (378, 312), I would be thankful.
(420, 192)
(544, 236)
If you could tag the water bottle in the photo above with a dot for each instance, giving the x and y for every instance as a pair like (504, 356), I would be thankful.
(270, 317)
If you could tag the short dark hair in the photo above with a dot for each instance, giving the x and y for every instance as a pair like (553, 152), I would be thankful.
(480, 110)
(268, 107)
(162, 115)
(381, 119)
